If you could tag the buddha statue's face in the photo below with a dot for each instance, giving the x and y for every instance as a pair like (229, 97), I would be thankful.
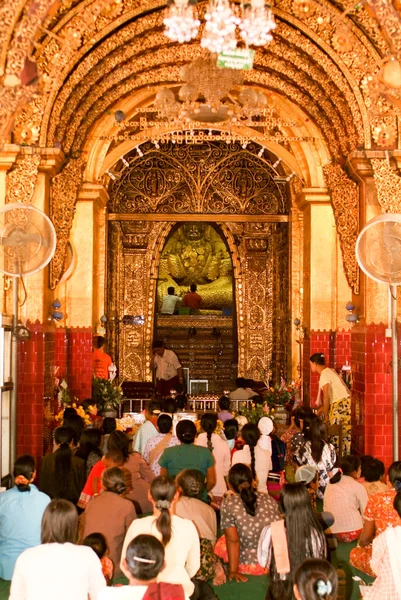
(194, 231)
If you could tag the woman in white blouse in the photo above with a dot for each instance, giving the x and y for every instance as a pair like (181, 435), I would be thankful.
(58, 568)
(178, 536)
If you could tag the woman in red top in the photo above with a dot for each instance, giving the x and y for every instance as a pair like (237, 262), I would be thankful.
(379, 514)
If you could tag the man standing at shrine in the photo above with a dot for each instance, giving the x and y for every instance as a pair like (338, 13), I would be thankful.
(168, 369)
(101, 361)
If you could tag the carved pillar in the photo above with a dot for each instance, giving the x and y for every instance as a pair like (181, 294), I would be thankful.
(320, 259)
(84, 292)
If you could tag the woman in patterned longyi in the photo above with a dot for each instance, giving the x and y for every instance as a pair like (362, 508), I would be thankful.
(244, 513)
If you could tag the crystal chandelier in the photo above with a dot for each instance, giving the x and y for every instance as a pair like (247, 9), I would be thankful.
(181, 23)
(208, 95)
(255, 24)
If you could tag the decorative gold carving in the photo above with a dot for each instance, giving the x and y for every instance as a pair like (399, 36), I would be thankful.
(9, 14)
(21, 180)
(388, 185)
(212, 178)
(23, 35)
(65, 188)
(389, 22)
(207, 321)
(345, 199)
(27, 122)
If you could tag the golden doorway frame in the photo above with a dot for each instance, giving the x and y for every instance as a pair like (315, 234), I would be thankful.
(259, 247)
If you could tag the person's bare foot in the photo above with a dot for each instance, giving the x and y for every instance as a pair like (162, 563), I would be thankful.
(219, 575)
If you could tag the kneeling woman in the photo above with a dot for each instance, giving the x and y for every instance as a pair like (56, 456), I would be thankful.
(285, 544)
(243, 516)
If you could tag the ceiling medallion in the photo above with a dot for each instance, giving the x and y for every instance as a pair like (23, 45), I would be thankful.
(255, 22)
(208, 95)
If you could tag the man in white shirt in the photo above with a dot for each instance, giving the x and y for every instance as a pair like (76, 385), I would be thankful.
(240, 393)
(171, 302)
(168, 369)
(148, 429)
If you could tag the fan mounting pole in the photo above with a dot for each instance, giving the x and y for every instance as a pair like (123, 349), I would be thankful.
(14, 376)
(394, 352)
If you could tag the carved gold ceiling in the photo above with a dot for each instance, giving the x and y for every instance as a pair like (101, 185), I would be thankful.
(123, 50)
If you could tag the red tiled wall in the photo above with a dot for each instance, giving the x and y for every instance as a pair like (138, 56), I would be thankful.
(47, 347)
(79, 361)
(31, 391)
(371, 395)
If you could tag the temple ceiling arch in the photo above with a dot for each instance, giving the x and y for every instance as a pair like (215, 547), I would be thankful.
(309, 63)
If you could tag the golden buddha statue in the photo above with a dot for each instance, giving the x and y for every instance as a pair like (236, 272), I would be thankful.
(195, 253)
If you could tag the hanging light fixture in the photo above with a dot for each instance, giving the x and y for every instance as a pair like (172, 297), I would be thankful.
(181, 22)
(255, 23)
(220, 26)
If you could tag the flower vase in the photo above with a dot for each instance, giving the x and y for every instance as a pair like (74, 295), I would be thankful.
(280, 415)
(109, 412)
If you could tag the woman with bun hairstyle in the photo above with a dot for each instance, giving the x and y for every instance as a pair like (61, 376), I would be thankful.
(21, 512)
(257, 458)
(111, 514)
(143, 562)
(220, 450)
(243, 513)
(189, 456)
(346, 499)
(203, 516)
(315, 579)
(178, 536)
(334, 398)
(157, 444)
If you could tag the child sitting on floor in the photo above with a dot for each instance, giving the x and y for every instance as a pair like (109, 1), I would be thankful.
(97, 542)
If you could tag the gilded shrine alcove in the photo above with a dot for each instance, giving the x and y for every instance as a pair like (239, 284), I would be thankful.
(234, 198)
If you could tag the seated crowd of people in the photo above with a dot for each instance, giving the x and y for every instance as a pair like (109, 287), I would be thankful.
(176, 513)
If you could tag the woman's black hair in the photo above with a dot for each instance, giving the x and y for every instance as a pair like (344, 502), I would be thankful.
(312, 578)
(186, 431)
(224, 403)
(77, 425)
(90, 442)
(240, 478)
(231, 429)
(25, 466)
(365, 458)
(302, 413)
(318, 359)
(119, 441)
(87, 403)
(394, 474)
(169, 406)
(59, 522)
(192, 482)
(348, 464)
(181, 401)
(164, 423)
(209, 424)
(113, 480)
(305, 537)
(68, 412)
(397, 503)
(63, 436)
(250, 434)
(313, 435)
(97, 542)
(109, 425)
(373, 470)
(162, 490)
(151, 551)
